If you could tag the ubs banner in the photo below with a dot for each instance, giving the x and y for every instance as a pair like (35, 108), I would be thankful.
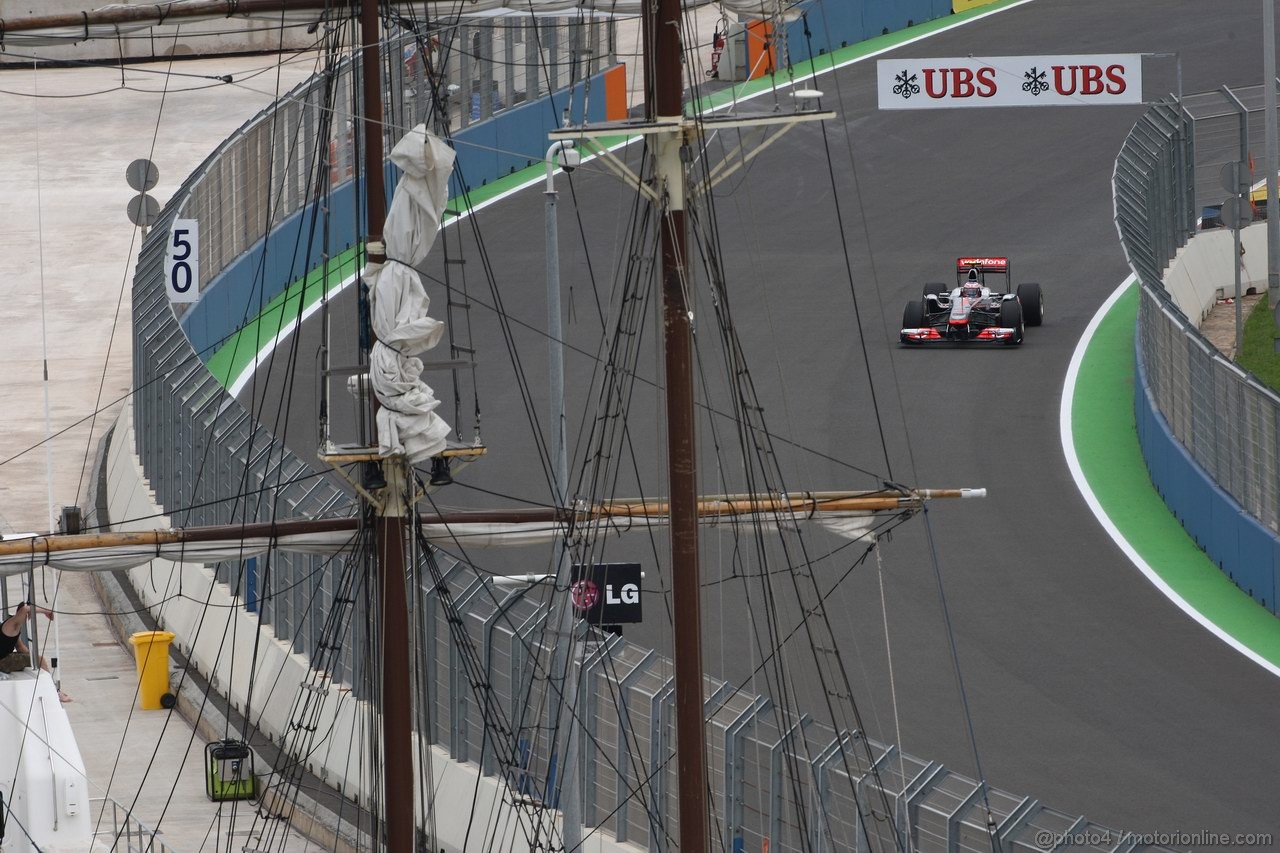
(1010, 81)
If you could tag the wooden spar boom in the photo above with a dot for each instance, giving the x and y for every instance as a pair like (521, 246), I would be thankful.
(806, 504)
(160, 14)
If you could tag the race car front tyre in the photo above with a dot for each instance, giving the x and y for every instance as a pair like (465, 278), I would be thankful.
(912, 317)
(933, 288)
(1011, 318)
(1032, 303)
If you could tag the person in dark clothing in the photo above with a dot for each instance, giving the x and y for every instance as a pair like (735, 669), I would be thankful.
(14, 654)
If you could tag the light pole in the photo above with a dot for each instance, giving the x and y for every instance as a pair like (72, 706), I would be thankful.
(569, 159)
(561, 663)
(1273, 159)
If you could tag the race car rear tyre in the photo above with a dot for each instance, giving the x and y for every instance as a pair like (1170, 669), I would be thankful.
(913, 316)
(933, 288)
(1032, 303)
(1011, 318)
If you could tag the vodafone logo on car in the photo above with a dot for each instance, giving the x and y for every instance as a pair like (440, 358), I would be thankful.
(998, 263)
(1009, 81)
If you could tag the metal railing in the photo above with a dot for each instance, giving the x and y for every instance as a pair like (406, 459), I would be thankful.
(775, 775)
(197, 444)
(118, 830)
(265, 172)
(1155, 190)
(1167, 170)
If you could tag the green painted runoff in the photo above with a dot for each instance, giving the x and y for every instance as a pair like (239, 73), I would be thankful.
(1106, 440)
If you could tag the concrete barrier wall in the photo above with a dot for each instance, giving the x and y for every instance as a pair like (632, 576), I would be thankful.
(198, 38)
(244, 661)
(1243, 548)
(510, 141)
(836, 25)
(1202, 271)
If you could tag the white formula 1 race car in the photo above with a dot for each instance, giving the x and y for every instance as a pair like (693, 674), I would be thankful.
(973, 312)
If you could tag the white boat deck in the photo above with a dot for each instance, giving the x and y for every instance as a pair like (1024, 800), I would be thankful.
(64, 234)
(150, 762)
(144, 764)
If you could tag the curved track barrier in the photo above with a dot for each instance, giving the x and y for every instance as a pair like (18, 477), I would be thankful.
(778, 781)
(1210, 432)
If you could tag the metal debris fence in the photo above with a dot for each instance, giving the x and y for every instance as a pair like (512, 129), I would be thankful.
(198, 445)
(1167, 171)
(775, 775)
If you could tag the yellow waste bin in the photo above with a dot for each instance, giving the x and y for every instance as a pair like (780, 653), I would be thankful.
(151, 653)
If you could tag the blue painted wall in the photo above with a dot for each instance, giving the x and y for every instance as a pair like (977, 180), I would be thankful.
(517, 138)
(251, 281)
(510, 141)
(1245, 550)
(834, 24)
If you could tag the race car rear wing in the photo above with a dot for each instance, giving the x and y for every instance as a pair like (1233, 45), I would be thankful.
(983, 264)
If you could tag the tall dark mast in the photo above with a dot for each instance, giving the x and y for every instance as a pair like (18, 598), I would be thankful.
(671, 134)
(397, 709)
(666, 72)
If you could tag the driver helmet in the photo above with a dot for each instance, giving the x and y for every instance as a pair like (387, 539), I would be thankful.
(971, 290)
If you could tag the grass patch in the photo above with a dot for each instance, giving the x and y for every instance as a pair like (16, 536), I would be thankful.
(1258, 354)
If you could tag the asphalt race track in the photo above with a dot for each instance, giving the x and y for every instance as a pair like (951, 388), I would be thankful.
(1089, 691)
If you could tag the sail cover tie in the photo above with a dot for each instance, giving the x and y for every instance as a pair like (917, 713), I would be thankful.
(407, 422)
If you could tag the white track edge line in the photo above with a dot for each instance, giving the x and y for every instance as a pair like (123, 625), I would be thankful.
(245, 375)
(1086, 491)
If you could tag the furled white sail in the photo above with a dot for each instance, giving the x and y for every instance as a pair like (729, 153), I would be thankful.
(37, 551)
(88, 26)
(407, 422)
(109, 558)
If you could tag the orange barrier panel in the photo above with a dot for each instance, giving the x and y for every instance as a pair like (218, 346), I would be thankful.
(761, 59)
(615, 93)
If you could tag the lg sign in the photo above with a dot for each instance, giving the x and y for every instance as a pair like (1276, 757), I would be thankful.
(1009, 81)
(607, 594)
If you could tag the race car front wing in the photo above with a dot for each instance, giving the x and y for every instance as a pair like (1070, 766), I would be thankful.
(929, 334)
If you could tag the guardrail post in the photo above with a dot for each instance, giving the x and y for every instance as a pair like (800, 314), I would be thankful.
(866, 780)
(459, 688)
(953, 819)
(623, 748)
(522, 645)
(734, 742)
(819, 793)
(658, 743)
(509, 600)
(552, 36)
(588, 715)
(1021, 813)
(777, 782)
(509, 63)
(913, 790)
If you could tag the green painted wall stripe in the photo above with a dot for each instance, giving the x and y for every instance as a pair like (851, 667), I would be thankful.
(1106, 441)
(240, 350)
(845, 55)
